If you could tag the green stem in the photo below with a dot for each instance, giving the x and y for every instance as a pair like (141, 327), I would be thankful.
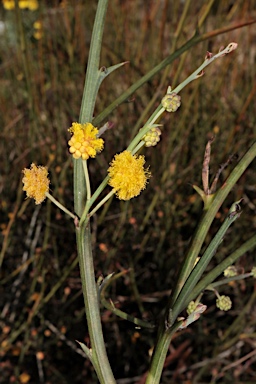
(182, 300)
(87, 179)
(93, 73)
(163, 341)
(160, 110)
(59, 205)
(229, 280)
(220, 268)
(159, 355)
(81, 181)
(92, 308)
(109, 304)
(92, 82)
(199, 70)
(90, 202)
(102, 202)
(138, 147)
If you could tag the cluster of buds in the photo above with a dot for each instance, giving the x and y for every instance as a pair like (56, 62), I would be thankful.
(171, 102)
(196, 309)
(152, 137)
(191, 307)
(224, 303)
(253, 272)
(231, 271)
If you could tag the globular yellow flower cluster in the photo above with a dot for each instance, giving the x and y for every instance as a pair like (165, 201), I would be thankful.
(127, 175)
(171, 102)
(36, 182)
(152, 137)
(32, 5)
(84, 143)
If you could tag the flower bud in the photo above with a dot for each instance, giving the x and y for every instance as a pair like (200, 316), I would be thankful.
(253, 272)
(191, 307)
(224, 303)
(152, 137)
(230, 271)
(171, 102)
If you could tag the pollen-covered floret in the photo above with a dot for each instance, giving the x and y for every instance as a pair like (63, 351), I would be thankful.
(36, 182)
(84, 143)
(127, 175)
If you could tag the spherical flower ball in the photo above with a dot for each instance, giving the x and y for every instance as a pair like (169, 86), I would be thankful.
(36, 182)
(127, 175)
(84, 143)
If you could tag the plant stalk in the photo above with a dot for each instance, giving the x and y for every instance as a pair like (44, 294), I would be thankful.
(159, 355)
(98, 354)
(92, 306)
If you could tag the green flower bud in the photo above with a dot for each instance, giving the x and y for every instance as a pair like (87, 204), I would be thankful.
(171, 102)
(230, 271)
(253, 272)
(152, 137)
(224, 303)
(191, 307)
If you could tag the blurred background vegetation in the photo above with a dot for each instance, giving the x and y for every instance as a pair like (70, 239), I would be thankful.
(43, 55)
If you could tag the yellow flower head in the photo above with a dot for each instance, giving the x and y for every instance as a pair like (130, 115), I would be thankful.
(33, 5)
(84, 142)
(127, 175)
(36, 182)
(9, 4)
(30, 4)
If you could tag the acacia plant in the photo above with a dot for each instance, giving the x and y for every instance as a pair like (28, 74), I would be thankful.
(127, 176)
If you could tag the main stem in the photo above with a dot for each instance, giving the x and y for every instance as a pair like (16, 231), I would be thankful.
(98, 354)
(92, 306)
